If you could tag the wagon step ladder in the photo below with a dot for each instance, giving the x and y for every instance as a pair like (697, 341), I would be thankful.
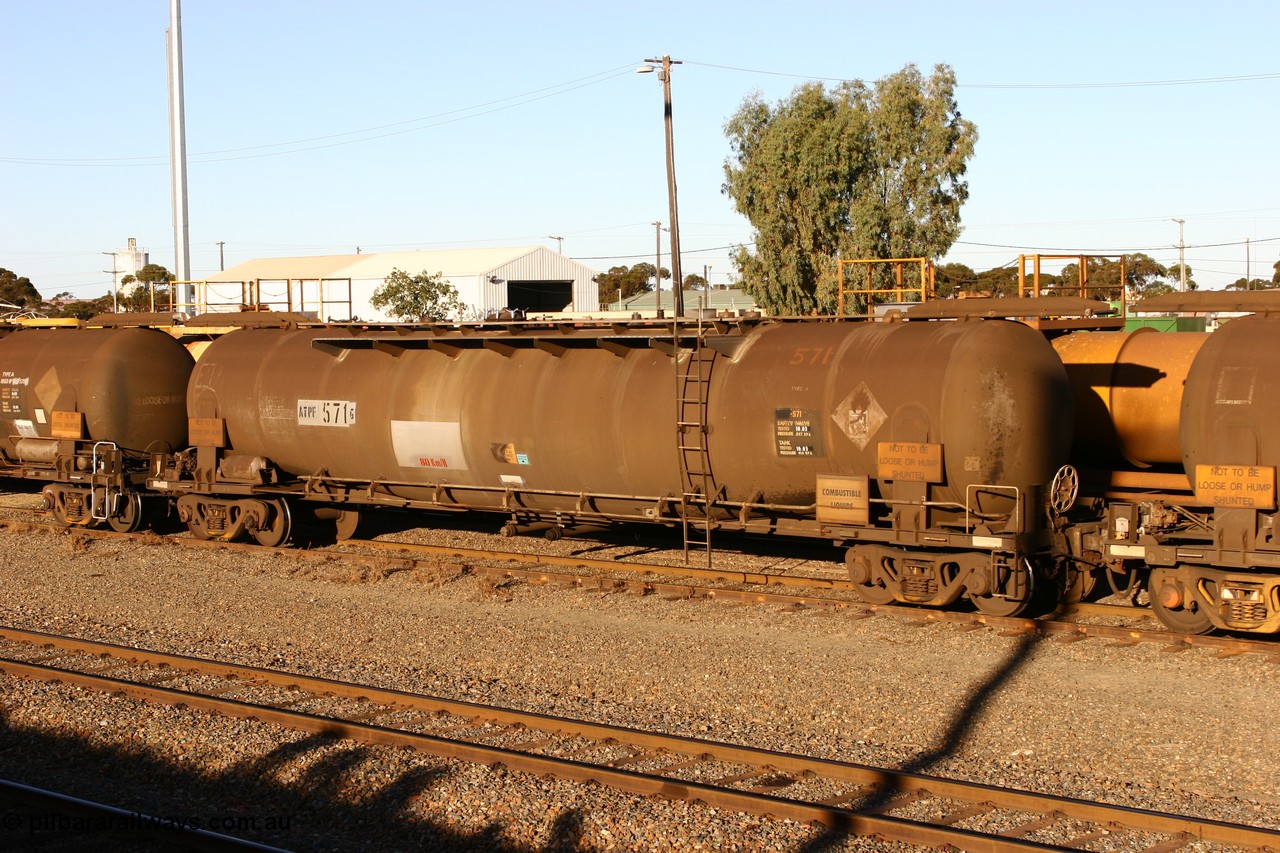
(698, 488)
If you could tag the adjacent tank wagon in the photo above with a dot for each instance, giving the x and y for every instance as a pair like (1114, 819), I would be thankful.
(84, 409)
(1178, 441)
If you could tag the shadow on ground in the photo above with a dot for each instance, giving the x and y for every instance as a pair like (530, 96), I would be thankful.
(313, 812)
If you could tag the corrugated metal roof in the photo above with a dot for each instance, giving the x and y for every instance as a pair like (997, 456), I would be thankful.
(481, 276)
(449, 262)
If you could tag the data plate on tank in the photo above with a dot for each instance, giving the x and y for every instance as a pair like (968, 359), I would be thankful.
(909, 461)
(10, 398)
(795, 432)
(67, 425)
(1248, 486)
(844, 499)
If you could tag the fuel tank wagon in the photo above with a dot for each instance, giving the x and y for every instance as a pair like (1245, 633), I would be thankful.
(1128, 391)
(925, 447)
(1225, 571)
(1178, 442)
(83, 408)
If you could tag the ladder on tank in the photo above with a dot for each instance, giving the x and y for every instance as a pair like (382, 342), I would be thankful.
(698, 491)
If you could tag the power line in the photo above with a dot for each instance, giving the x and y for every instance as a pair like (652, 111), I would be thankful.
(1105, 85)
(1114, 251)
(647, 255)
(1248, 214)
(460, 114)
(1193, 81)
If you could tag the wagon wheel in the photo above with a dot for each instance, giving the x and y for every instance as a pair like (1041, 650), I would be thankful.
(56, 499)
(346, 523)
(197, 526)
(988, 599)
(1176, 610)
(874, 593)
(277, 532)
(1078, 585)
(872, 590)
(130, 516)
(993, 605)
(60, 513)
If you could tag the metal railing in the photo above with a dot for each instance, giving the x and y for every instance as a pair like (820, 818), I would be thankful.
(325, 298)
(1083, 288)
(902, 287)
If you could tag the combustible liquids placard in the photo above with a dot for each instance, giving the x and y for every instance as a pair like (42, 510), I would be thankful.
(844, 499)
(910, 461)
(1249, 486)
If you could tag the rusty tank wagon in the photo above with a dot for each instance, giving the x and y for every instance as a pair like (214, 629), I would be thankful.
(1178, 443)
(926, 448)
(954, 458)
(84, 409)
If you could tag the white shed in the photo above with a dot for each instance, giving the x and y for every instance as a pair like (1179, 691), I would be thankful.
(529, 278)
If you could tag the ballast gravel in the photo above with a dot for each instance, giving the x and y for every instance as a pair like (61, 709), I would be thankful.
(1190, 733)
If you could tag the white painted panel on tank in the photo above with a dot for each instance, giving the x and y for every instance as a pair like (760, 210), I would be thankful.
(428, 444)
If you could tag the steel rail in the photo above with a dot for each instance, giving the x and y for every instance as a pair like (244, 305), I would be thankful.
(1050, 625)
(573, 561)
(1064, 631)
(616, 565)
(862, 809)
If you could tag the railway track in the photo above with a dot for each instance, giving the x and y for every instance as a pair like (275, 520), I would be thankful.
(604, 575)
(637, 578)
(859, 799)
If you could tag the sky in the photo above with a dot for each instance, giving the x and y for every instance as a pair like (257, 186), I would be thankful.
(325, 127)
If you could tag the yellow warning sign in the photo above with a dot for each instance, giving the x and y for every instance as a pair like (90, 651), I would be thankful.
(912, 461)
(66, 424)
(207, 432)
(1248, 486)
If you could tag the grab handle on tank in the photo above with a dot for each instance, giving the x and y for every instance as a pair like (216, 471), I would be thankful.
(98, 504)
(970, 502)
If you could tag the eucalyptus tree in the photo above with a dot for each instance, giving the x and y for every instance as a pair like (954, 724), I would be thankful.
(623, 282)
(17, 290)
(417, 298)
(147, 290)
(860, 171)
